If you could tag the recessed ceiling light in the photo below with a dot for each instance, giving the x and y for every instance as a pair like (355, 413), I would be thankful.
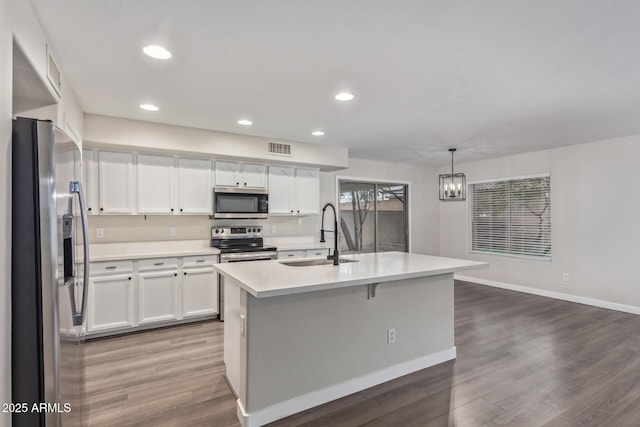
(317, 133)
(149, 107)
(245, 122)
(344, 96)
(157, 52)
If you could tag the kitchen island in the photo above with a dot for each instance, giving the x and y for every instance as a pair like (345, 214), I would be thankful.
(299, 335)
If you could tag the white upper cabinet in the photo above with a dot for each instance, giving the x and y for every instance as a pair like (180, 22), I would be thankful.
(280, 190)
(195, 186)
(307, 191)
(90, 180)
(254, 176)
(117, 187)
(227, 174)
(155, 184)
(294, 191)
(129, 183)
(234, 174)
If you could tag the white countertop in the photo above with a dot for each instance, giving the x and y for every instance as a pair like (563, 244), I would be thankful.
(271, 278)
(139, 250)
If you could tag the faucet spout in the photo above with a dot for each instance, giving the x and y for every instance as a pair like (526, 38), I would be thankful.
(335, 256)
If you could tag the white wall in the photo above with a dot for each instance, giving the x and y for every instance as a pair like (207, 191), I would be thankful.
(139, 135)
(5, 208)
(423, 196)
(594, 221)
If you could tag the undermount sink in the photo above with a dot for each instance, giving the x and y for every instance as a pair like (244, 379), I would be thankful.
(313, 262)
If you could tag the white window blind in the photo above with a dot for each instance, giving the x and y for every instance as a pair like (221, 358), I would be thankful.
(512, 216)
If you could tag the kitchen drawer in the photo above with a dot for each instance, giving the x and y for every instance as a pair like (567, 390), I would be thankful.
(290, 254)
(199, 261)
(110, 267)
(158, 264)
(316, 252)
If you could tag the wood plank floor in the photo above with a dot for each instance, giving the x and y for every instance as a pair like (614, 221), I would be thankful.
(523, 360)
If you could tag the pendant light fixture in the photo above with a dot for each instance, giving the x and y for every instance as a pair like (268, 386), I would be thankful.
(453, 186)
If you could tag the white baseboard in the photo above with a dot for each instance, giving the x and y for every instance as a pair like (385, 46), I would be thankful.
(550, 294)
(315, 398)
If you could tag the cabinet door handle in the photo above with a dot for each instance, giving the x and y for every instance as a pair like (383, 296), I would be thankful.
(185, 273)
(128, 278)
(199, 260)
(101, 209)
(89, 209)
(158, 263)
(171, 209)
(245, 184)
(237, 183)
(175, 274)
(181, 209)
(110, 267)
(289, 254)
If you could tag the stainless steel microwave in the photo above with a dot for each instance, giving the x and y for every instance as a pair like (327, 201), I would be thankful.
(240, 203)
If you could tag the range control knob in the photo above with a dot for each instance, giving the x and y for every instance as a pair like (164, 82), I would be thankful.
(217, 231)
(254, 230)
(258, 230)
(222, 230)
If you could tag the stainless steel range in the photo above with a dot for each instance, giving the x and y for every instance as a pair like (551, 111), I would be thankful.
(240, 244)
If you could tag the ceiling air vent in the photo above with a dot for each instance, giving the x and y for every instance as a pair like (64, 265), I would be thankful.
(278, 148)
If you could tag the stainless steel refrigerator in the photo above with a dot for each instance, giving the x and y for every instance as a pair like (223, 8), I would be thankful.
(48, 276)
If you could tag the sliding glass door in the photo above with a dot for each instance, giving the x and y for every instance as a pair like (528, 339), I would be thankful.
(373, 216)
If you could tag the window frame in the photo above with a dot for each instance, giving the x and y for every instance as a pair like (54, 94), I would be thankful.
(470, 199)
(339, 178)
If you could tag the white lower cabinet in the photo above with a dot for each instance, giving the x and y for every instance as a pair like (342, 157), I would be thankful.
(302, 253)
(291, 254)
(158, 290)
(316, 252)
(110, 298)
(199, 286)
(142, 293)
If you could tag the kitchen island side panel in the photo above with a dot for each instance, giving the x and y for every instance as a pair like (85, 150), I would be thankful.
(234, 339)
(298, 344)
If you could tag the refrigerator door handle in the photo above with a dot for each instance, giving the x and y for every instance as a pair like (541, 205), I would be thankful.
(75, 187)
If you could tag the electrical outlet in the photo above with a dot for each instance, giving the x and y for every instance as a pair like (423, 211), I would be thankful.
(299, 221)
(391, 335)
(172, 231)
(273, 229)
(565, 277)
(99, 233)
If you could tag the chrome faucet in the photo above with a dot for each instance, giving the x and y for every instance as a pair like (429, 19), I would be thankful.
(334, 257)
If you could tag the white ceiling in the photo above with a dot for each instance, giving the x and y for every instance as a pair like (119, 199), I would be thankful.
(489, 77)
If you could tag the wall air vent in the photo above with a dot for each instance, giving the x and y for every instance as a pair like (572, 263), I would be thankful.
(53, 73)
(278, 148)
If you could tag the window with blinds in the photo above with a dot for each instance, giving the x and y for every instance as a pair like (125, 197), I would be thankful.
(512, 216)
